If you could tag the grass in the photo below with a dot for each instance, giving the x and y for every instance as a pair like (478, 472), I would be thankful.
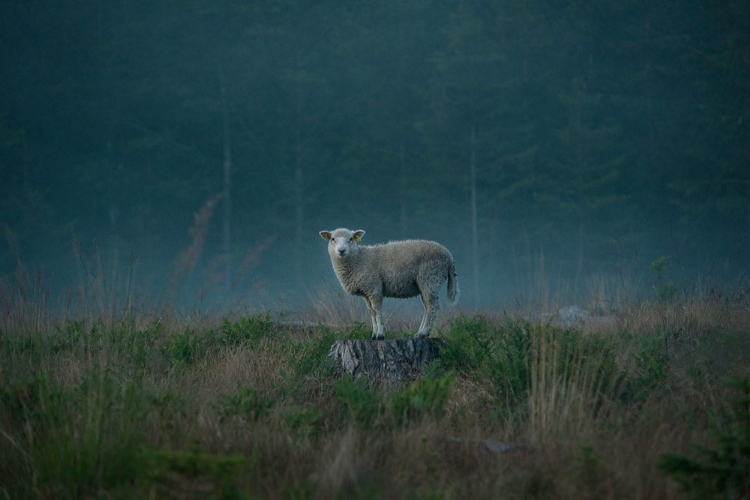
(650, 405)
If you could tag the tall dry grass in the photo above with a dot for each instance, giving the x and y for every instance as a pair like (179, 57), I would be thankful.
(121, 401)
(247, 408)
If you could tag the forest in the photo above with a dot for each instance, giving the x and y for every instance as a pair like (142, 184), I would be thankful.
(191, 151)
(167, 306)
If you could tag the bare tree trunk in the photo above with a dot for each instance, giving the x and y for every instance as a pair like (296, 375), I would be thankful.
(113, 190)
(385, 362)
(474, 216)
(227, 223)
(299, 202)
(403, 197)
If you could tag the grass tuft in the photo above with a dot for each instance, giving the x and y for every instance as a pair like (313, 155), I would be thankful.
(242, 407)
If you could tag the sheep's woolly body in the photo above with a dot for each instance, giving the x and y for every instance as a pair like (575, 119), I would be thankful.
(399, 266)
(398, 269)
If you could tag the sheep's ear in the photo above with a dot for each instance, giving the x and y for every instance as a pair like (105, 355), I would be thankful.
(326, 235)
(358, 235)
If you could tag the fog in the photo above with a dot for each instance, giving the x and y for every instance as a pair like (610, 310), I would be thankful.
(184, 155)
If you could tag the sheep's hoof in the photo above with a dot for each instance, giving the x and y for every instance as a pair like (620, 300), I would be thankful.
(421, 335)
(378, 336)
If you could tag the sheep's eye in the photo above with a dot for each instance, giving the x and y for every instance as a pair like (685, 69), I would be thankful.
(351, 239)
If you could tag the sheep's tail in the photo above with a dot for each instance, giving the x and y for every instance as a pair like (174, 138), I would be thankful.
(453, 291)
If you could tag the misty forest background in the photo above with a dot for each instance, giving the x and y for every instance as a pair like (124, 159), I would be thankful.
(191, 151)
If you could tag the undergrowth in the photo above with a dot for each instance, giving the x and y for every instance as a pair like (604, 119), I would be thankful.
(246, 408)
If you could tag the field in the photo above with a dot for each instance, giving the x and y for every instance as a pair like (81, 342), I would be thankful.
(653, 403)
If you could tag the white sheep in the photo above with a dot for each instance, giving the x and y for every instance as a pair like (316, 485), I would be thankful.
(400, 269)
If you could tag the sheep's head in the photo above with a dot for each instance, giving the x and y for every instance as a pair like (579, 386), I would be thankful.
(342, 243)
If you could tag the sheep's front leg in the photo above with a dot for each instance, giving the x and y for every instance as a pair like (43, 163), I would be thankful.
(431, 303)
(374, 304)
(371, 312)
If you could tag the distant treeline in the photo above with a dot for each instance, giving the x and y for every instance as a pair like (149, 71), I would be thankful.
(579, 136)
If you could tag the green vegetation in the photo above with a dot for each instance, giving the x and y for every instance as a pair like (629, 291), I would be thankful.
(246, 408)
(722, 470)
(665, 290)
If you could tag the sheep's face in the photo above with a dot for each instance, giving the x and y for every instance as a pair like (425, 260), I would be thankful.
(342, 243)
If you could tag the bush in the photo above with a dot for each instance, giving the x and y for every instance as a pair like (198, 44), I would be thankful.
(191, 474)
(468, 345)
(722, 471)
(76, 440)
(244, 331)
(181, 349)
(246, 404)
(363, 403)
(425, 397)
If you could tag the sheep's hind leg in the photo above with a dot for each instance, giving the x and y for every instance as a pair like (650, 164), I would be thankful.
(431, 303)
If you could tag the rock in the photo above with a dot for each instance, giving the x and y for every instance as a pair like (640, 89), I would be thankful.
(573, 317)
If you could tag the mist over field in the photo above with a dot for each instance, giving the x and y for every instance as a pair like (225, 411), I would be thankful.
(168, 310)
(186, 154)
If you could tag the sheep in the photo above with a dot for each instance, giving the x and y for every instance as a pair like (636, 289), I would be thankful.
(400, 269)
